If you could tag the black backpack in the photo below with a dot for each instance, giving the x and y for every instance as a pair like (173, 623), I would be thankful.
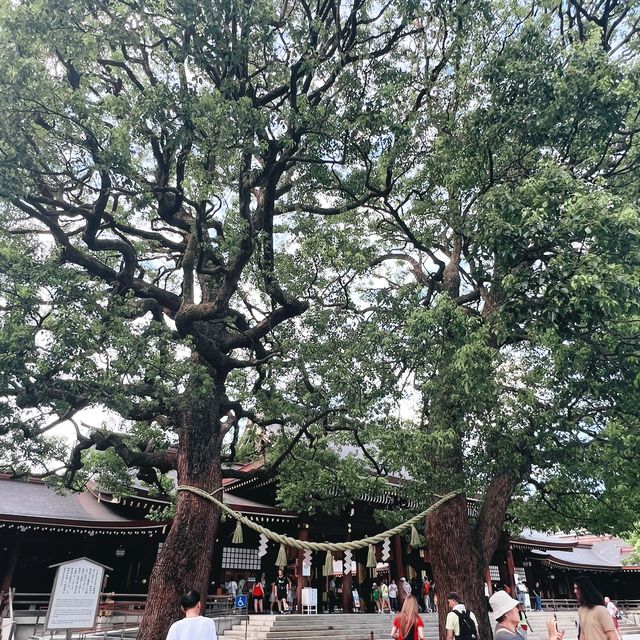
(468, 629)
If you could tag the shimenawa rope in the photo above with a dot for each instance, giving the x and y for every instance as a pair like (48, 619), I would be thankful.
(319, 546)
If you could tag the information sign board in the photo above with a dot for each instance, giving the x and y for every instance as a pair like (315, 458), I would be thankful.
(76, 595)
(309, 600)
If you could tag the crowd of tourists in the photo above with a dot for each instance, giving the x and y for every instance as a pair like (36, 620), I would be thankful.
(279, 596)
(387, 596)
(379, 596)
(597, 616)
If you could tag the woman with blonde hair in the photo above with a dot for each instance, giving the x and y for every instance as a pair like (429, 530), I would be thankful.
(408, 625)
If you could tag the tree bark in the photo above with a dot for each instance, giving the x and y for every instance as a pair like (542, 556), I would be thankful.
(457, 562)
(185, 560)
(493, 513)
(461, 551)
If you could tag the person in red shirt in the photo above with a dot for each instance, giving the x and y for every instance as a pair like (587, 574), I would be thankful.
(408, 625)
(258, 596)
(426, 594)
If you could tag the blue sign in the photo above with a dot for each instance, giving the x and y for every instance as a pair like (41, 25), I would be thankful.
(241, 602)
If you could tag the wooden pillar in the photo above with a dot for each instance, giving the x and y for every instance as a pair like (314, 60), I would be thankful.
(347, 605)
(398, 565)
(346, 589)
(12, 563)
(511, 572)
(303, 534)
(500, 558)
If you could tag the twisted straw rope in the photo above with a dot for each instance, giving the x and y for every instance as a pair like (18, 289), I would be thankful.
(319, 546)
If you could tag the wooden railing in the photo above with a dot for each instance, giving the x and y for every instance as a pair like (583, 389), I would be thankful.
(116, 612)
(558, 604)
(111, 602)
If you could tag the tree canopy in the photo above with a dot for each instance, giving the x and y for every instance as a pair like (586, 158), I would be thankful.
(407, 230)
(500, 275)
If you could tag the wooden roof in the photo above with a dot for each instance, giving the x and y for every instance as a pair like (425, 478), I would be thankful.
(34, 503)
(31, 503)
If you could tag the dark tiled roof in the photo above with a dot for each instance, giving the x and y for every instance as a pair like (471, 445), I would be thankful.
(530, 539)
(34, 502)
(250, 507)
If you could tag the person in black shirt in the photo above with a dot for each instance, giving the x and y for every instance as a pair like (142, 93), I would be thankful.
(281, 587)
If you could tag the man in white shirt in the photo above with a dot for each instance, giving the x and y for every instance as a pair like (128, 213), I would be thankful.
(193, 626)
(613, 612)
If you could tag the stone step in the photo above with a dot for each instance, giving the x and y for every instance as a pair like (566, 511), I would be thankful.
(321, 627)
(360, 635)
(359, 619)
(303, 631)
(359, 626)
(328, 630)
(329, 617)
(317, 620)
(306, 633)
(330, 634)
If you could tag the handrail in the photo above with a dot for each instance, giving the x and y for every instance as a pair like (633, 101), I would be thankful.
(39, 597)
(10, 624)
(628, 604)
(119, 613)
(571, 603)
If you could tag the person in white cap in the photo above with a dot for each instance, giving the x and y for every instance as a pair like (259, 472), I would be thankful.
(504, 610)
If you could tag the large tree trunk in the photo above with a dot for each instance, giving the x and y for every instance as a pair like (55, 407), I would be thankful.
(457, 563)
(460, 550)
(185, 560)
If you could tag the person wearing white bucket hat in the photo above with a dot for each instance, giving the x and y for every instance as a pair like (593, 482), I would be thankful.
(504, 609)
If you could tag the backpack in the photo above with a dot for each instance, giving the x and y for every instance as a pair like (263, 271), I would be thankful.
(468, 629)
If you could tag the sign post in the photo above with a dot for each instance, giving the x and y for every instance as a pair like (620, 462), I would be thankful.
(75, 597)
(309, 600)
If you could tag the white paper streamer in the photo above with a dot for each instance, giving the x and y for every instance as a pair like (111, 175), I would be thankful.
(347, 561)
(262, 546)
(386, 550)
